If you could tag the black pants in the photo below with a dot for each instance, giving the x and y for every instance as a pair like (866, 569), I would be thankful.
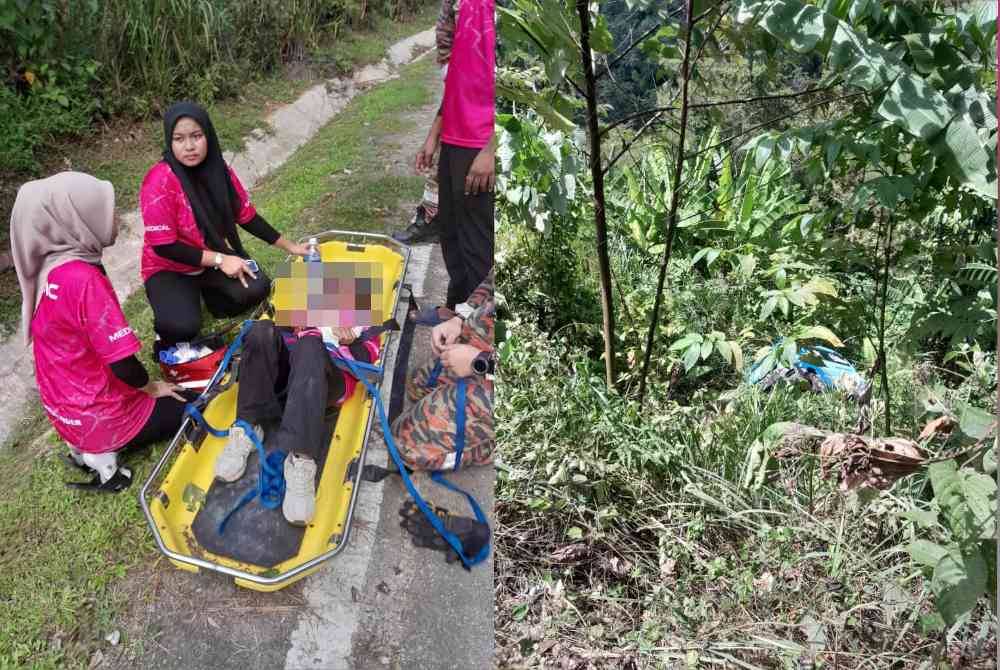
(162, 424)
(466, 224)
(176, 301)
(268, 368)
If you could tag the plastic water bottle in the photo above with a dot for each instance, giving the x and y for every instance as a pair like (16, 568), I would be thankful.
(313, 256)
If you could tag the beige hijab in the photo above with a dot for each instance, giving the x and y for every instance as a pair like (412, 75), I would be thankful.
(68, 216)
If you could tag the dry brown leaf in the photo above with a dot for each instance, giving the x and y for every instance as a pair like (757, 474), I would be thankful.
(861, 461)
(942, 424)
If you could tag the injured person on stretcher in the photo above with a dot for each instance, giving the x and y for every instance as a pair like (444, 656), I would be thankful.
(287, 379)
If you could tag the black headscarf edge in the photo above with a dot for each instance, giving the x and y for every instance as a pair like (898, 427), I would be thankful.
(208, 187)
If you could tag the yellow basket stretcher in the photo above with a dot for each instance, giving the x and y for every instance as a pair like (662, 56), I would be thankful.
(176, 499)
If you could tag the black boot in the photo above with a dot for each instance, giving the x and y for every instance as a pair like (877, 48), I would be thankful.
(420, 230)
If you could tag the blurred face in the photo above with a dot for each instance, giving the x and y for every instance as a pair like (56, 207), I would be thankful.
(337, 294)
(189, 144)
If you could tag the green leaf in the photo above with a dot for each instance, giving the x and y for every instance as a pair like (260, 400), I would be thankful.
(601, 40)
(746, 209)
(701, 254)
(832, 151)
(796, 297)
(574, 533)
(887, 190)
(990, 462)
(747, 264)
(789, 352)
(783, 304)
(805, 224)
(967, 157)
(768, 308)
(921, 49)
(959, 580)
(975, 422)
(914, 105)
(781, 278)
(691, 357)
(706, 349)
(926, 553)
(966, 498)
(819, 333)
(686, 341)
(924, 518)
(724, 350)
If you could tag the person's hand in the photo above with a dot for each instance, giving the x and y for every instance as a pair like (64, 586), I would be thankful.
(297, 249)
(482, 174)
(445, 333)
(235, 267)
(344, 335)
(425, 157)
(161, 389)
(457, 358)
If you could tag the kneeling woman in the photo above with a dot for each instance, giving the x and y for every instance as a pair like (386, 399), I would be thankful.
(191, 203)
(96, 393)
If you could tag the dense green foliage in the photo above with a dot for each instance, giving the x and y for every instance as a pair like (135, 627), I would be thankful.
(68, 62)
(853, 206)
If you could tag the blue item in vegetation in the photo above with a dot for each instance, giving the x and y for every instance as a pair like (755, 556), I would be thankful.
(825, 365)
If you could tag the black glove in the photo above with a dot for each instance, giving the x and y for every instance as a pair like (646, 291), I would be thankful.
(471, 533)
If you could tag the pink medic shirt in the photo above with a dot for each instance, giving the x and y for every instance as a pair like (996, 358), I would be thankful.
(79, 330)
(167, 218)
(470, 85)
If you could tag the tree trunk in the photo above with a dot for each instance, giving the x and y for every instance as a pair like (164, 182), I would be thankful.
(600, 214)
(996, 435)
(674, 202)
(886, 394)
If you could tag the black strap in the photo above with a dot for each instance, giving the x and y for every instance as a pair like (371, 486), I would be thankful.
(398, 394)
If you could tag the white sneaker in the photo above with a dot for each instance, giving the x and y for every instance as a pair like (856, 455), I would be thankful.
(232, 462)
(105, 465)
(299, 505)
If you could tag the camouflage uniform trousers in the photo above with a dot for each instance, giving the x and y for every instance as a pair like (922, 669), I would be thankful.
(425, 431)
(430, 198)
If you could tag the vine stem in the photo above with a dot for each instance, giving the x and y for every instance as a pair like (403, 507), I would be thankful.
(674, 202)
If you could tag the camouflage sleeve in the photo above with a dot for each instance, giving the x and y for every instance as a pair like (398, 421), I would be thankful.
(482, 292)
(477, 329)
(444, 31)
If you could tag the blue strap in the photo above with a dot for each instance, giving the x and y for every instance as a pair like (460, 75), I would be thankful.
(193, 412)
(460, 422)
(432, 378)
(437, 477)
(338, 360)
(271, 481)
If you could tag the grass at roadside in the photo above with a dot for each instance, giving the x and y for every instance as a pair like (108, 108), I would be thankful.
(123, 151)
(62, 553)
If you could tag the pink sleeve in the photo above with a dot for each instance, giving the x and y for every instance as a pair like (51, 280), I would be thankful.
(247, 210)
(104, 322)
(158, 205)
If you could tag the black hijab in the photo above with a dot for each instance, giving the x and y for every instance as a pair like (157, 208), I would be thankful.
(207, 185)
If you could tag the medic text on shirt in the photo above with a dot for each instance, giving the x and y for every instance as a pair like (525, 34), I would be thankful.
(120, 334)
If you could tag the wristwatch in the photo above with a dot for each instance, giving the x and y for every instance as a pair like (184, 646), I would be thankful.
(483, 364)
(218, 259)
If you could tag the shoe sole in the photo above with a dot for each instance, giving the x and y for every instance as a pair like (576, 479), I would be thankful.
(220, 478)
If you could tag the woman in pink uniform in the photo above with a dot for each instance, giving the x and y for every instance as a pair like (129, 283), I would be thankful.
(464, 130)
(193, 206)
(96, 393)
